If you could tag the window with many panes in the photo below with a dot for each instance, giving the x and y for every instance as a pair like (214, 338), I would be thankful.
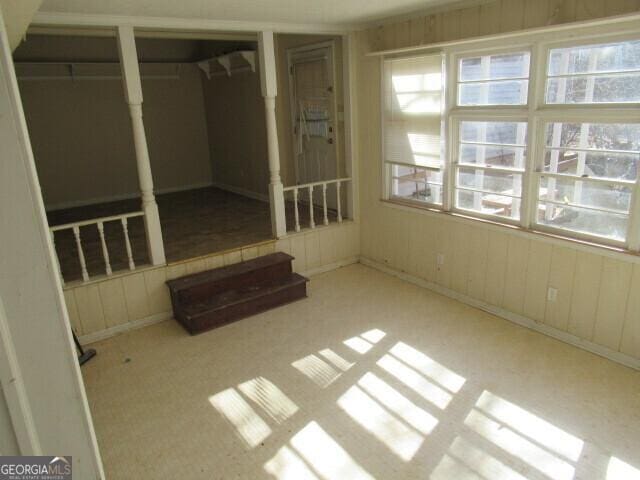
(587, 167)
(501, 79)
(490, 153)
(489, 167)
(561, 158)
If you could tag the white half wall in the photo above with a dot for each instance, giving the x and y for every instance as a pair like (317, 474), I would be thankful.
(108, 306)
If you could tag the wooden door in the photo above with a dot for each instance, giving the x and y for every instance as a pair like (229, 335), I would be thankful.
(313, 111)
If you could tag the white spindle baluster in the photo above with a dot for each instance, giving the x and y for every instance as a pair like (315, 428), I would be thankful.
(339, 206)
(53, 242)
(295, 208)
(324, 203)
(83, 264)
(105, 252)
(312, 222)
(125, 230)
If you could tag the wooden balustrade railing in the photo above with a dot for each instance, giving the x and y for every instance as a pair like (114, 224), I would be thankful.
(99, 223)
(307, 198)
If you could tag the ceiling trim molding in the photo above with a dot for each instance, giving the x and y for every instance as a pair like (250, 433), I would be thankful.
(99, 21)
(439, 7)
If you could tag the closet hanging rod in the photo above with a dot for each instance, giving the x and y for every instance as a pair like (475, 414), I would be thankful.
(24, 73)
(71, 63)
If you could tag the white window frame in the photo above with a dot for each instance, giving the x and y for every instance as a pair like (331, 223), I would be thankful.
(387, 175)
(544, 113)
(544, 48)
(454, 164)
(485, 113)
(475, 52)
(536, 113)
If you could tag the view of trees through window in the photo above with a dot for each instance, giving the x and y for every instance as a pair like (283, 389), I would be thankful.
(594, 74)
(591, 171)
(597, 162)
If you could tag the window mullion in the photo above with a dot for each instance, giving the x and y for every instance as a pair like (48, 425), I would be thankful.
(450, 131)
(386, 168)
(633, 238)
(530, 179)
(452, 161)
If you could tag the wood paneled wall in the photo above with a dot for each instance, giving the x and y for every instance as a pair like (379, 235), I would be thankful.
(513, 271)
(597, 297)
(491, 17)
(237, 131)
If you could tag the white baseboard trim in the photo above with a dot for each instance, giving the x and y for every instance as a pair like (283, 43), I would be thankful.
(125, 327)
(521, 320)
(242, 191)
(330, 266)
(123, 196)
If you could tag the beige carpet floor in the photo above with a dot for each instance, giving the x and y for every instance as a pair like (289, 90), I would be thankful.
(370, 377)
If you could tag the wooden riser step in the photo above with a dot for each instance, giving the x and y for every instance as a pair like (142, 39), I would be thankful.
(216, 297)
(204, 285)
(234, 305)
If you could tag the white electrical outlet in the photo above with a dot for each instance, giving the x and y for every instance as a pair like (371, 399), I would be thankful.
(552, 294)
(440, 259)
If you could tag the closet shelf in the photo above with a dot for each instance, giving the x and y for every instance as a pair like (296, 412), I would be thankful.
(234, 62)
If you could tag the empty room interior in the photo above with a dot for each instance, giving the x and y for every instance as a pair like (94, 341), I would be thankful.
(369, 239)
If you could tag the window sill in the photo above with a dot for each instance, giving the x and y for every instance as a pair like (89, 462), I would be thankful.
(564, 241)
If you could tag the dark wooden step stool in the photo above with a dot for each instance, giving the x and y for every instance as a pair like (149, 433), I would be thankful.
(210, 299)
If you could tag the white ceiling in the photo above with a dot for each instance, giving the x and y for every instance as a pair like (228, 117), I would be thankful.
(327, 12)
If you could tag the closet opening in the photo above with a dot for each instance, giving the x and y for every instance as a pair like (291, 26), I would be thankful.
(202, 126)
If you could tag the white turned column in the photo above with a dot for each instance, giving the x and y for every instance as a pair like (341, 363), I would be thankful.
(268, 82)
(133, 96)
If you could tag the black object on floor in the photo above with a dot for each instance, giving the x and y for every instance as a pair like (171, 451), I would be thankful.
(83, 355)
